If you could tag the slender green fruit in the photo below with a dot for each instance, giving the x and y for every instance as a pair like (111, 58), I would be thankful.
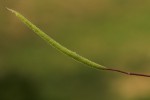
(66, 51)
(55, 44)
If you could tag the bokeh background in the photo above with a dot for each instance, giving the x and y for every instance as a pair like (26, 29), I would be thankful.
(114, 33)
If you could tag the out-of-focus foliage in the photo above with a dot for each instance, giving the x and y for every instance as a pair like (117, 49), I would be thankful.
(114, 33)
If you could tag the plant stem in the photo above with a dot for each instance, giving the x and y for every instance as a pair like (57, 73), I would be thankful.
(66, 51)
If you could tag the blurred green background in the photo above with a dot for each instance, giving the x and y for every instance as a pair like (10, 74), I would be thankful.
(114, 33)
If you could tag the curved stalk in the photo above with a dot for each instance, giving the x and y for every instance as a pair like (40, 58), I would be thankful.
(66, 51)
